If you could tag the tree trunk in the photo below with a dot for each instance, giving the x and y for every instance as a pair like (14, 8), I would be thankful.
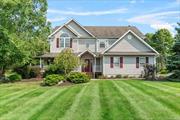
(2, 72)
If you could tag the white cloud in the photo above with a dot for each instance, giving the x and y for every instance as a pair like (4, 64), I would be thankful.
(133, 1)
(56, 19)
(156, 20)
(88, 13)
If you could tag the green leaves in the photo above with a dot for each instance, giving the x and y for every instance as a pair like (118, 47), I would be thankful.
(163, 42)
(66, 61)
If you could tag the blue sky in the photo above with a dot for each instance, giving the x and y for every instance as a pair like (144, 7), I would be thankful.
(147, 15)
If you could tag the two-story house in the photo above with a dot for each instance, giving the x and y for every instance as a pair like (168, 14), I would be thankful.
(107, 50)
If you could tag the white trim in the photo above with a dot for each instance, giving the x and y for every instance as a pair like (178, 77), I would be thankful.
(135, 36)
(80, 26)
(87, 51)
(60, 29)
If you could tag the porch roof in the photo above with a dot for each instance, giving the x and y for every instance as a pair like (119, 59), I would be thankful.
(53, 55)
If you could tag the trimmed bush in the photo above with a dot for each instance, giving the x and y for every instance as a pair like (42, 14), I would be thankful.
(28, 71)
(77, 77)
(34, 71)
(52, 69)
(14, 77)
(53, 79)
(119, 76)
(4, 80)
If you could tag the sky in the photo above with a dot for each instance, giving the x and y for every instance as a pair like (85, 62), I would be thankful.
(146, 15)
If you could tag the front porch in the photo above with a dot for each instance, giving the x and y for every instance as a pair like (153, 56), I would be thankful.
(91, 63)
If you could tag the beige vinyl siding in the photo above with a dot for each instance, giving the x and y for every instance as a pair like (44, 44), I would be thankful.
(130, 45)
(82, 45)
(53, 48)
(80, 31)
(108, 42)
(129, 66)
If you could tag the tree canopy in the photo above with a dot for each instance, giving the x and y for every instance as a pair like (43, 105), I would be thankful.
(162, 41)
(174, 59)
(66, 61)
(24, 27)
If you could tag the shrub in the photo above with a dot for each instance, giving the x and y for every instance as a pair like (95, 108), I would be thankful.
(150, 72)
(14, 77)
(52, 69)
(4, 79)
(163, 71)
(28, 71)
(52, 79)
(175, 76)
(77, 77)
(34, 71)
(126, 76)
(119, 76)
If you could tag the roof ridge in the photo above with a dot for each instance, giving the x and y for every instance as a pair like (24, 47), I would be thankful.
(109, 26)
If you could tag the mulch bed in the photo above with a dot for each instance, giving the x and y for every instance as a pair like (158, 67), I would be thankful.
(32, 80)
(66, 83)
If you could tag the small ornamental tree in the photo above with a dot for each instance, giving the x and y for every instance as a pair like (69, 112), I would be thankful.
(66, 61)
(149, 72)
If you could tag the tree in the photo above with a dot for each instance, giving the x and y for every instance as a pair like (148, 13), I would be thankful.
(67, 61)
(162, 41)
(9, 53)
(174, 60)
(26, 24)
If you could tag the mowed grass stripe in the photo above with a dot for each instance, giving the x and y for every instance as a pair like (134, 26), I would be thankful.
(162, 88)
(69, 115)
(95, 105)
(23, 111)
(15, 97)
(4, 94)
(154, 109)
(57, 108)
(5, 108)
(172, 84)
(113, 104)
(84, 109)
(129, 95)
(160, 96)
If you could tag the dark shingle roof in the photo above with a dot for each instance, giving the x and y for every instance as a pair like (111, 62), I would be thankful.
(110, 31)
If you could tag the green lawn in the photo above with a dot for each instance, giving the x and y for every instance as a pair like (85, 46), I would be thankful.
(97, 100)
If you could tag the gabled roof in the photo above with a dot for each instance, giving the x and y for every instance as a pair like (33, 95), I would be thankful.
(139, 38)
(72, 20)
(90, 52)
(112, 31)
(60, 27)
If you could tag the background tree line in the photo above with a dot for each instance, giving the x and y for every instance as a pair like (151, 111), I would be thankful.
(169, 49)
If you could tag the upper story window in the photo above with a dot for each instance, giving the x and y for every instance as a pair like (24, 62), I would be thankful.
(65, 40)
(102, 44)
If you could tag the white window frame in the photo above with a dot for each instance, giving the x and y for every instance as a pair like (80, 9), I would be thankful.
(116, 63)
(103, 43)
(64, 39)
(142, 62)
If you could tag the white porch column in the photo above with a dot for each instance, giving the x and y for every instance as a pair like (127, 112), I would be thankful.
(40, 63)
(94, 66)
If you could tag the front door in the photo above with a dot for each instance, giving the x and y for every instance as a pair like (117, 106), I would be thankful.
(87, 66)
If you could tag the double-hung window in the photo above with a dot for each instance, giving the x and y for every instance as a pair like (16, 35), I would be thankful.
(65, 40)
(102, 44)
